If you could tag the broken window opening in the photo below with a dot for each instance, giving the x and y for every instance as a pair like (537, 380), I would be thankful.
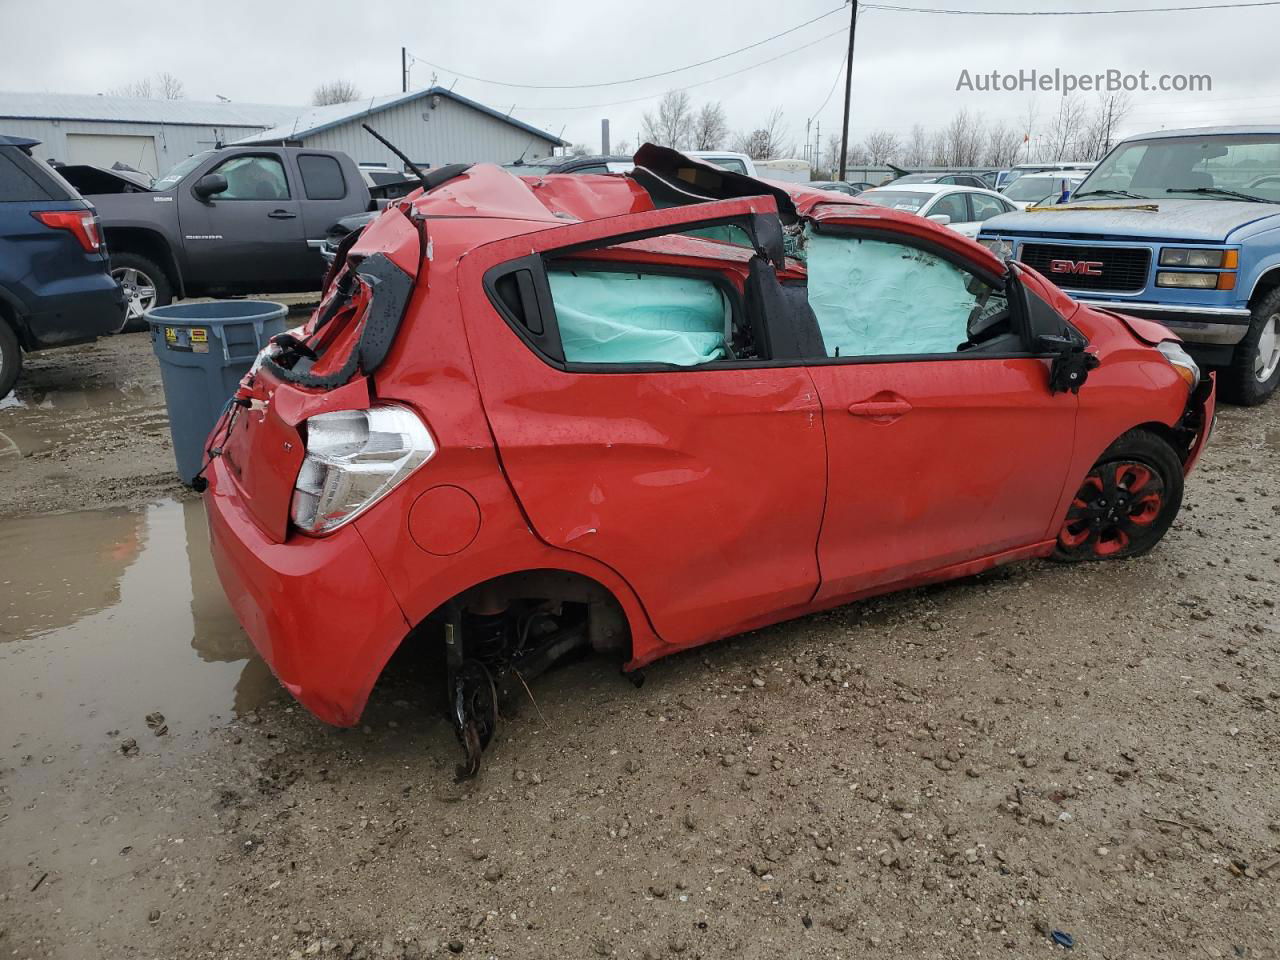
(615, 316)
(877, 298)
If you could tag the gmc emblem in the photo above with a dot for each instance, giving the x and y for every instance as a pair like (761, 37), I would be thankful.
(1085, 268)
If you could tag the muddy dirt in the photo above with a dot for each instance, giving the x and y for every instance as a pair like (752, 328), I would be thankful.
(963, 771)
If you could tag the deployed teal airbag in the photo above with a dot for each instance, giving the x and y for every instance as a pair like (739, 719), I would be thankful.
(879, 299)
(608, 317)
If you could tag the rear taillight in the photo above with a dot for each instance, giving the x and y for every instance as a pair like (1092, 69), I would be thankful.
(354, 458)
(83, 224)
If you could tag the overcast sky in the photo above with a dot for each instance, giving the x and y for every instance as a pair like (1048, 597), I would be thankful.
(905, 67)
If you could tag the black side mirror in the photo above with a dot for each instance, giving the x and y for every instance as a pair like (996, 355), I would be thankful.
(1071, 365)
(210, 184)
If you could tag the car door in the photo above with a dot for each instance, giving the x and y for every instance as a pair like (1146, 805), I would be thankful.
(636, 429)
(937, 456)
(328, 195)
(250, 236)
(953, 206)
(984, 207)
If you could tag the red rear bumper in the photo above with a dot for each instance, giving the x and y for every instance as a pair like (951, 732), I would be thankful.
(318, 610)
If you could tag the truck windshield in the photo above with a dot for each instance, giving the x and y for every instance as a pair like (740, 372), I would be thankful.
(178, 171)
(1225, 167)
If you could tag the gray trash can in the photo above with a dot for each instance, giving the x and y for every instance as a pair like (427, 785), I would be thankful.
(204, 350)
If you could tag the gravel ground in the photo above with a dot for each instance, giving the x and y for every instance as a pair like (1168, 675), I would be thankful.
(962, 771)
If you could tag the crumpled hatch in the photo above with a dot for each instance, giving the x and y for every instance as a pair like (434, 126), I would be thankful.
(324, 365)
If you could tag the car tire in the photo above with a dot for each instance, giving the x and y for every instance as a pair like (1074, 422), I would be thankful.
(10, 358)
(138, 274)
(1254, 373)
(1126, 503)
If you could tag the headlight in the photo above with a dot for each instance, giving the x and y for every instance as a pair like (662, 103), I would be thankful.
(1197, 257)
(1001, 247)
(1181, 361)
(354, 458)
(1197, 281)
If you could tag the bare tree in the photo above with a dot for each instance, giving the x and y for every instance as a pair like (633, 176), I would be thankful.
(710, 128)
(1003, 144)
(831, 153)
(915, 153)
(672, 124)
(766, 142)
(164, 86)
(579, 150)
(962, 140)
(1064, 133)
(882, 146)
(335, 91)
(169, 86)
(1100, 124)
(622, 146)
(138, 89)
(1027, 126)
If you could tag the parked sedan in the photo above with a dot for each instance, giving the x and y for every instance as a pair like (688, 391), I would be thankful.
(529, 419)
(963, 209)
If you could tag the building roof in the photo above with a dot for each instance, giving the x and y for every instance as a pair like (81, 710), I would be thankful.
(312, 121)
(84, 106)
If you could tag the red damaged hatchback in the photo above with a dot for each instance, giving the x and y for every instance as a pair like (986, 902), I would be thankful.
(639, 413)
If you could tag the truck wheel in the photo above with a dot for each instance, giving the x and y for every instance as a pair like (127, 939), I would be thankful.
(1127, 502)
(145, 286)
(10, 358)
(1255, 368)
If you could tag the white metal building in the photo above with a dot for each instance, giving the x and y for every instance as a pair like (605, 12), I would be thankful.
(434, 127)
(150, 135)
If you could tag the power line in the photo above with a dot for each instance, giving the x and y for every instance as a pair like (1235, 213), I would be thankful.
(701, 83)
(834, 81)
(1068, 13)
(648, 76)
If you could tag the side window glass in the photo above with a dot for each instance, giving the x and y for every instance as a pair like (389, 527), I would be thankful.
(608, 316)
(17, 184)
(953, 206)
(984, 207)
(321, 177)
(875, 298)
(253, 178)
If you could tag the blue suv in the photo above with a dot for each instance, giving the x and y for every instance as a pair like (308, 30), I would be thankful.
(55, 288)
(1180, 226)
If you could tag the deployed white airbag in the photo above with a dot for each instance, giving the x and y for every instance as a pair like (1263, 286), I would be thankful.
(608, 317)
(879, 299)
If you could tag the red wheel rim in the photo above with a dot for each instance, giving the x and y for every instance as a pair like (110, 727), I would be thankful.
(1115, 510)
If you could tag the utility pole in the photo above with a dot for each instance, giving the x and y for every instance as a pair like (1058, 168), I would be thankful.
(848, 87)
(404, 70)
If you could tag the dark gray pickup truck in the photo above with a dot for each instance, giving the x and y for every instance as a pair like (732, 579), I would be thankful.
(228, 221)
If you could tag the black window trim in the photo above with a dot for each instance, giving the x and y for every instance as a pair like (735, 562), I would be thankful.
(548, 348)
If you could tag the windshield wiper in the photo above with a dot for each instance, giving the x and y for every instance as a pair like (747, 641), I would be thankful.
(1221, 192)
(1110, 193)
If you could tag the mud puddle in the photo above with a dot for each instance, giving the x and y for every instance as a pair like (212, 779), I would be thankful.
(107, 616)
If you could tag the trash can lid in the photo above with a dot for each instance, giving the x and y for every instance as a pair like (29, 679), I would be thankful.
(217, 311)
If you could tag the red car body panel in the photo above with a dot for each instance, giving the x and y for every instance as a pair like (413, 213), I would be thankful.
(706, 501)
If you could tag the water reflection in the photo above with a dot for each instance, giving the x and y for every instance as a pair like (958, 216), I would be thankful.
(108, 615)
